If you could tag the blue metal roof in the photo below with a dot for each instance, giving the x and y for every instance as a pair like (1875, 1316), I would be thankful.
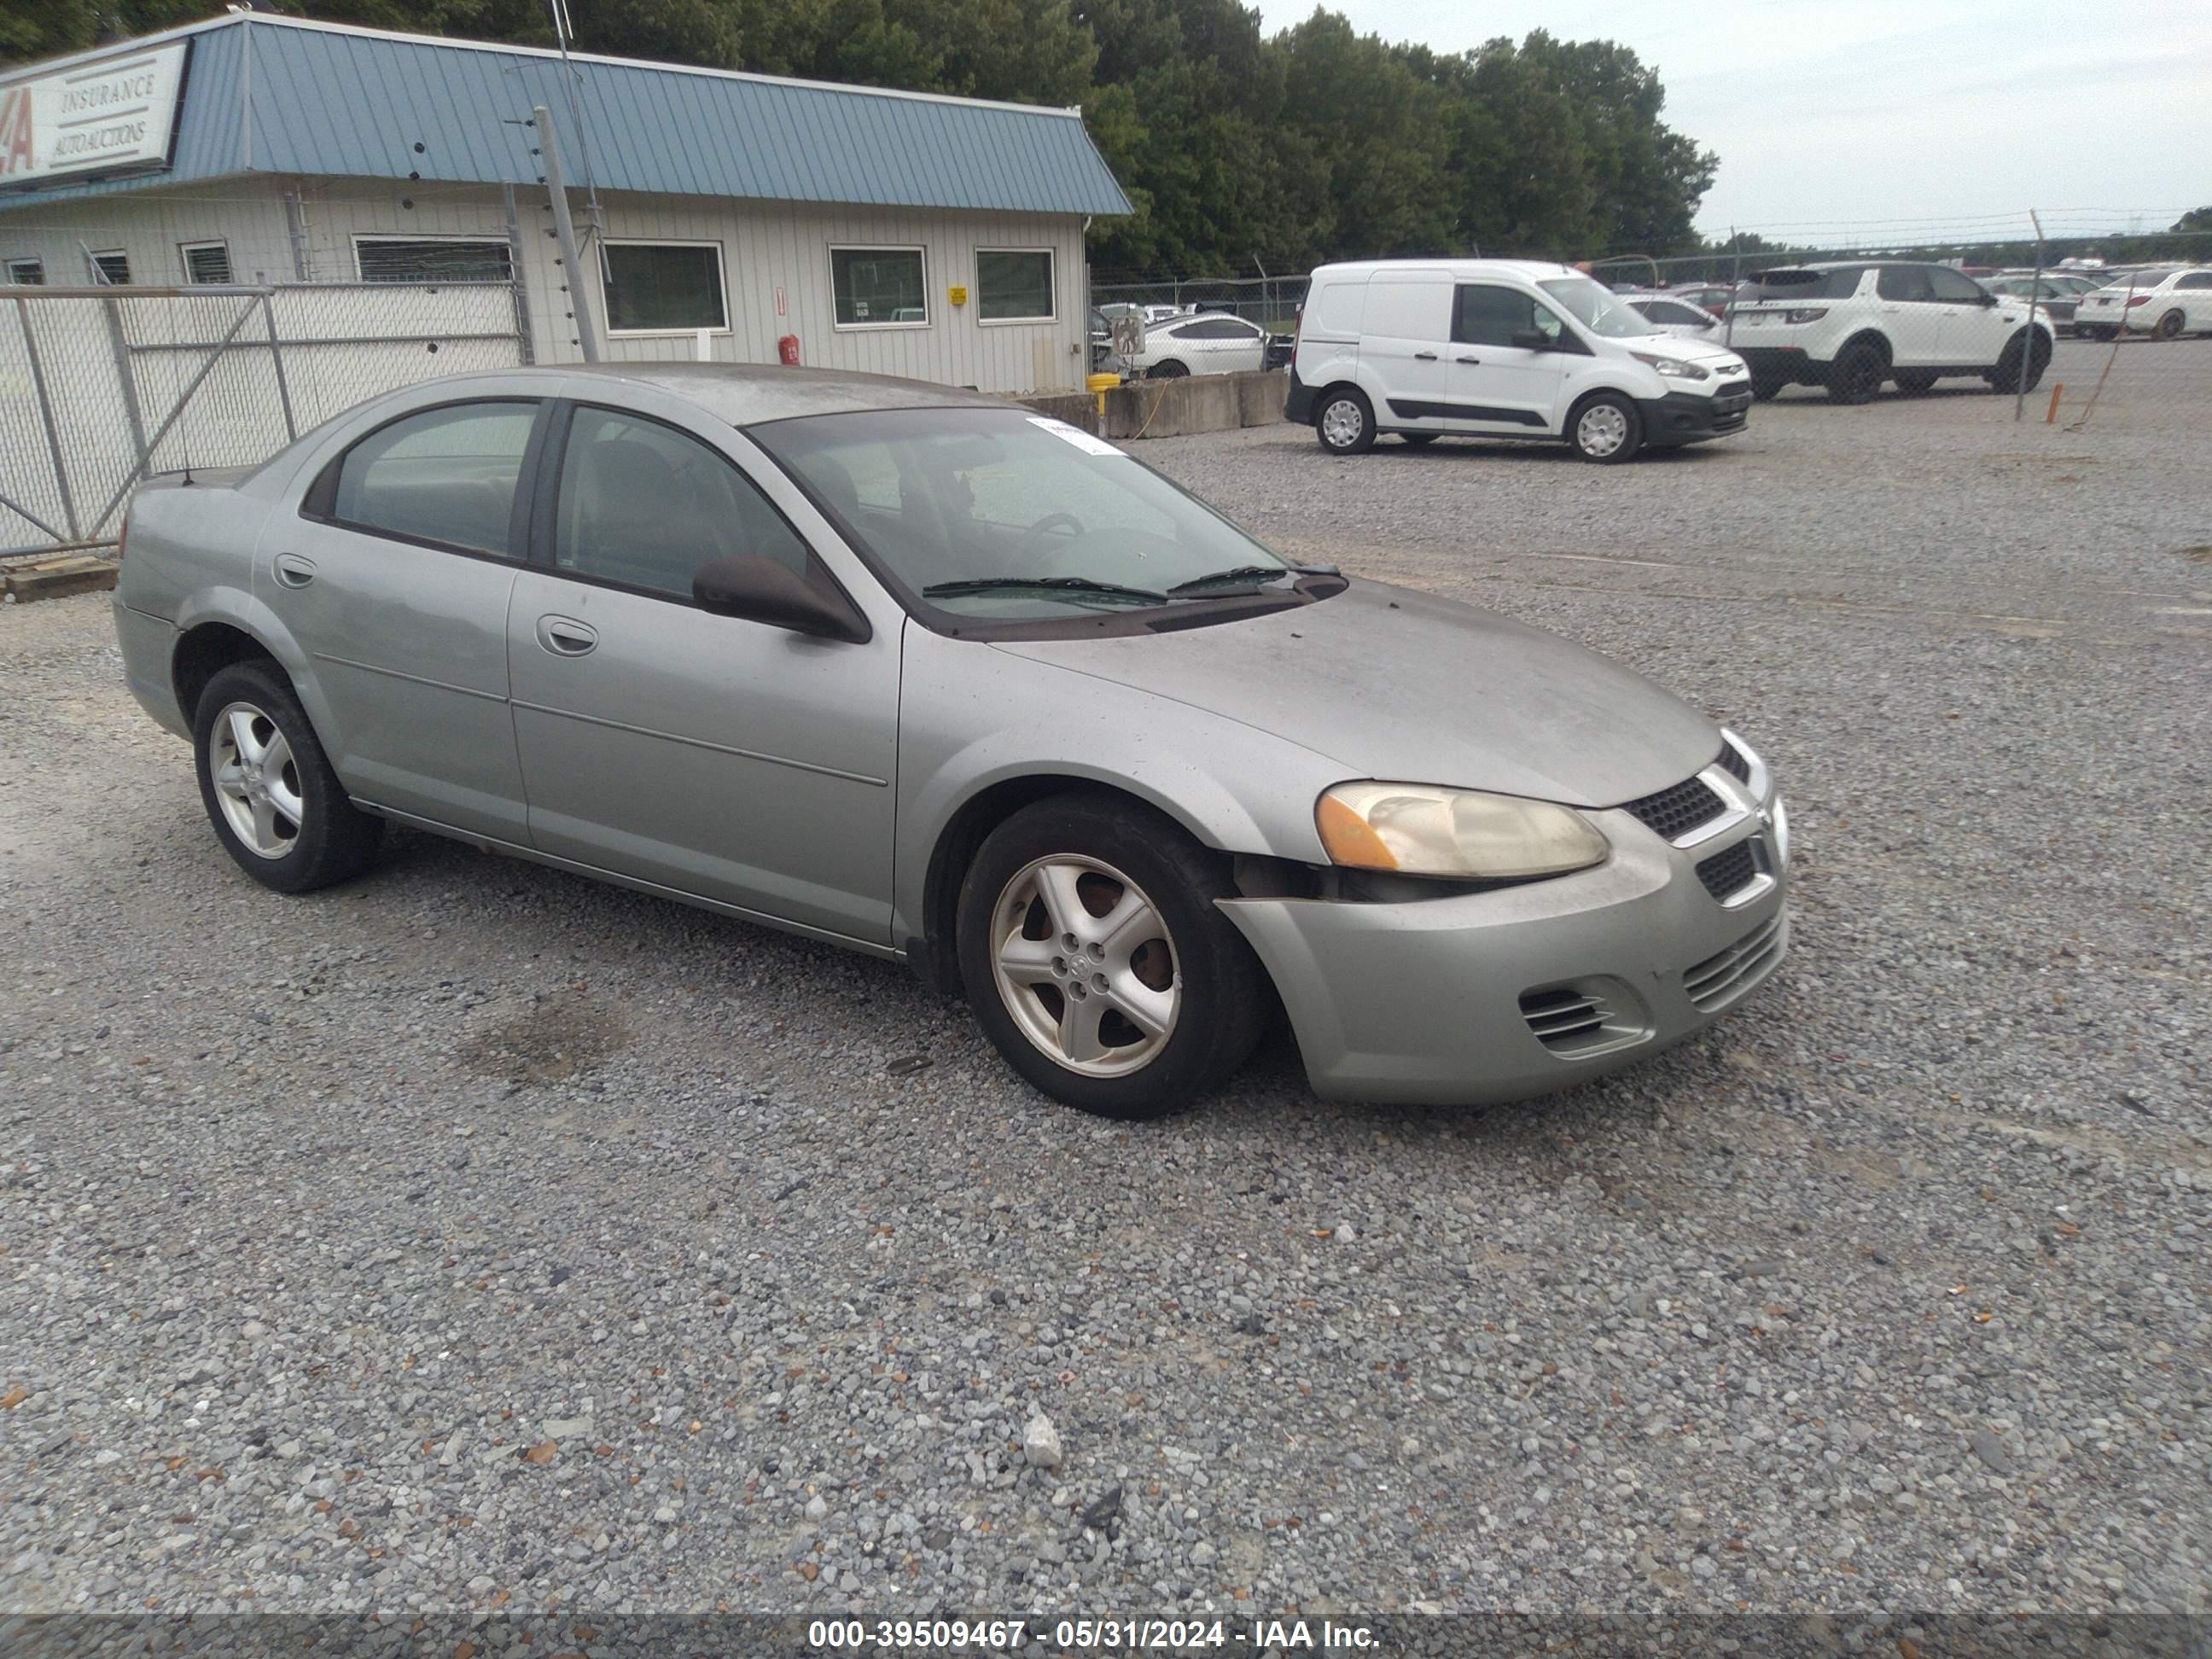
(274, 95)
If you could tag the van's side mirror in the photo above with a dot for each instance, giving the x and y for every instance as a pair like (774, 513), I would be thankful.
(763, 591)
(1532, 339)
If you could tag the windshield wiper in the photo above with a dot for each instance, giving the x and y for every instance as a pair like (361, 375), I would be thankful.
(1251, 573)
(1058, 584)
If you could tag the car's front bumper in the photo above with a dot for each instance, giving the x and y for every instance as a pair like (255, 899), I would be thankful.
(1424, 1002)
(1689, 417)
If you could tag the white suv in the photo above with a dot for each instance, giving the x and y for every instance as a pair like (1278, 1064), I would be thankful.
(1851, 326)
(1500, 349)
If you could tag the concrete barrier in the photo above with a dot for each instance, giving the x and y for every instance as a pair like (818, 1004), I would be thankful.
(1175, 409)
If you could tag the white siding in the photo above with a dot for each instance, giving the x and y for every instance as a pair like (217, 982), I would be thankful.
(766, 246)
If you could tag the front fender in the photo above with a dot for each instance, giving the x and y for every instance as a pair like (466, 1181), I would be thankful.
(972, 719)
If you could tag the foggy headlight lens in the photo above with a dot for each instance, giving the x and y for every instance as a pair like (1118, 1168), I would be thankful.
(1673, 368)
(1422, 830)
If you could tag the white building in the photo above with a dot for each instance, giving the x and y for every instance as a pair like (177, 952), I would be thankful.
(900, 233)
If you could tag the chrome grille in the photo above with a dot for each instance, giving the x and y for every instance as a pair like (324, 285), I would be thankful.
(1729, 871)
(1722, 977)
(1673, 811)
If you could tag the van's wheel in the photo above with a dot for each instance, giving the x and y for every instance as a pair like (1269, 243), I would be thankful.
(1345, 423)
(1417, 439)
(276, 805)
(1097, 963)
(2169, 327)
(1856, 375)
(1169, 370)
(1915, 381)
(2006, 376)
(1606, 428)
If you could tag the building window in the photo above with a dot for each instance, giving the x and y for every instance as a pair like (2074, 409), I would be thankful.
(206, 262)
(432, 259)
(1014, 285)
(879, 286)
(663, 287)
(113, 267)
(27, 273)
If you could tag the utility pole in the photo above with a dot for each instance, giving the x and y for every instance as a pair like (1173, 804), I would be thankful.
(2035, 308)
(580, 304)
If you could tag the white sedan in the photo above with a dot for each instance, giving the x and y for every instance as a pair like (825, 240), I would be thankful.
(1210, 342)
(1671, 314)
(2163, 304)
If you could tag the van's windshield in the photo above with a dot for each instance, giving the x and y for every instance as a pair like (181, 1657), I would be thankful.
(1596, 308)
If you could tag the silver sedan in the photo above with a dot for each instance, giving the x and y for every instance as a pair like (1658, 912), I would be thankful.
(936, 677)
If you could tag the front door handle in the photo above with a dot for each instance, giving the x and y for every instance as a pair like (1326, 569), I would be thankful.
(1424, 356)
(564, 637)
(1475, 361)
(293, 571)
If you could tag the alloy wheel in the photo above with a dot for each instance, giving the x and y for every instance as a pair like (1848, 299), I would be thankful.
(257, 780)
(1083, 962)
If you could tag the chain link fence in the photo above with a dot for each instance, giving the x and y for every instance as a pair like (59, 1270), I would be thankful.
(101, 387)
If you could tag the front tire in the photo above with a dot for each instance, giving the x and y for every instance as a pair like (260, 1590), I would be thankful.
(1345, 421)
(278, 807)
(1606, 428)
(1097, 963)
(2006, 376)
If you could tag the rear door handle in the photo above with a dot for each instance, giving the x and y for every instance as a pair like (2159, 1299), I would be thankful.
(293, 571)
(564, 637)
(1476, 360)
(1424, 356)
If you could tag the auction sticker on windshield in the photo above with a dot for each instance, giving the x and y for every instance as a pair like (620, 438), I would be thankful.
(1076, 435)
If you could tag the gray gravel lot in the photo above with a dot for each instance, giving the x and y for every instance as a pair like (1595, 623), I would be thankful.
(476, 1237)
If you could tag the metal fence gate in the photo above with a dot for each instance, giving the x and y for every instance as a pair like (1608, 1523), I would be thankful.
(102, 386)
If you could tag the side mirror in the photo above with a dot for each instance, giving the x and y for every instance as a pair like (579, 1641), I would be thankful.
(763, 591)
(1532, 339)
(1987, 300)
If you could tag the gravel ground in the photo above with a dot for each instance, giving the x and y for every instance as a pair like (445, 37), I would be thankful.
(474, 1236)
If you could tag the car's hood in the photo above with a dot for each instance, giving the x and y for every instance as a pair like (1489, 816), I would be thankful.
(1709, 355)
(1413, 689)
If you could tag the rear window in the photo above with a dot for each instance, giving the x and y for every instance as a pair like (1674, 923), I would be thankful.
(1802, 285)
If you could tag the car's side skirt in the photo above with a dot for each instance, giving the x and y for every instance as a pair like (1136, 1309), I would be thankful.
(577, 868)
(1409, 409)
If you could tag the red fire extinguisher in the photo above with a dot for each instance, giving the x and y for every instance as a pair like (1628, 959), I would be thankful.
(788, 347)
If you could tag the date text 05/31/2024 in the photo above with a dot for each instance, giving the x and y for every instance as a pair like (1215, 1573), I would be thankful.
(1086, 1635)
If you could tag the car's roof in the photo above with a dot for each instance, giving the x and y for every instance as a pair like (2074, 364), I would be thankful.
(1527, 271)
(747, 394)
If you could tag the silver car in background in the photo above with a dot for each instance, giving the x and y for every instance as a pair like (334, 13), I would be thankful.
(930, 676)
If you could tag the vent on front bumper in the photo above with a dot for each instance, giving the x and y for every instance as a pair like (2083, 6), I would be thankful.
(1729, 872)
(1734, 762)
(1585, 1017)
(1722, 978)
(1685, 806)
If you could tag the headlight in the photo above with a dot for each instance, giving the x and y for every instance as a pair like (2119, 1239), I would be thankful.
(1673, 368)
(1807, 314)
(1422, 830)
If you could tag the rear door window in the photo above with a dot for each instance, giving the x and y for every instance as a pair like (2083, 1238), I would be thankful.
(444, 475)
(1953, 287)
(1906, 283)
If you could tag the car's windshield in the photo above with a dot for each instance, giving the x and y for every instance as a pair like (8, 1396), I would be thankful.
(1596, 308)
(973, 509)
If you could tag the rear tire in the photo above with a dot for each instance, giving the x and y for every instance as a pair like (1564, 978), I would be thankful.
(1606, 427)
(2170, 327)
(1344, 421)
(278, 807)
(1856, 375)
(1169, 370)
(1915, 381)
(1765, 391)
(1046, 875)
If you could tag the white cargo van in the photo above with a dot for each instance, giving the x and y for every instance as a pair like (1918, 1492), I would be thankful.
(1500, 349)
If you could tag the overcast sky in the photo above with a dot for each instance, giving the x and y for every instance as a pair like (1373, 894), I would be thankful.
(1944, 112)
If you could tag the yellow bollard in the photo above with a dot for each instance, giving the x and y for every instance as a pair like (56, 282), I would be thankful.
(1099, 386)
